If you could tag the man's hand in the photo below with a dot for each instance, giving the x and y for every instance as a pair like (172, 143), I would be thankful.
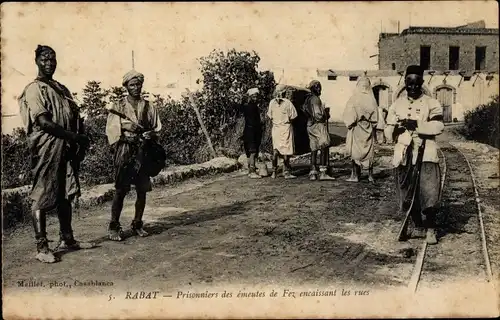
(82, 140)
(149, 135)
(131, 127)
(409, 124)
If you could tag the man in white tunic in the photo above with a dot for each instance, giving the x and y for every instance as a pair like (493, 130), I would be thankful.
(281, 112)
(411, 121)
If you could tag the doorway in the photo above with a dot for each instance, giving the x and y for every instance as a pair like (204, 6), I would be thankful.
(445, 97)
(382, 95)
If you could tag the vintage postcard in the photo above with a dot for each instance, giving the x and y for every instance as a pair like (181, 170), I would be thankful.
(250, 160)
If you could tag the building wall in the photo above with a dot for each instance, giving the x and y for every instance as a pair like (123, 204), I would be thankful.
(467, 94)
(405, 50)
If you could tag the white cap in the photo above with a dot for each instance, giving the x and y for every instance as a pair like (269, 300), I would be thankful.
(252, 91)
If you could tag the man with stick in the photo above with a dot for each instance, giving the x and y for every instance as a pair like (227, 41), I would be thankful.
(131, 122)
(414, 121)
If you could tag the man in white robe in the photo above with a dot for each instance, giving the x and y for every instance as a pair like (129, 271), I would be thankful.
(281, 112)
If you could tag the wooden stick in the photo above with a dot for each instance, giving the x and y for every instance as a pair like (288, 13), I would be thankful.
(200, 120)
(404, 227)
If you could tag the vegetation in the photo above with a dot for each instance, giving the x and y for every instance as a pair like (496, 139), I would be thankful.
(481, 124)
(226, 76)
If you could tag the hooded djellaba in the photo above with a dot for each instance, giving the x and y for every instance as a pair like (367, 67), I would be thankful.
(360, 116)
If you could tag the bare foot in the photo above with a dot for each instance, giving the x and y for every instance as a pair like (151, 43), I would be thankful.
(370, 178)
(431, 237)
(324, 176)
(74, 245)
(115, 235)
(141, 232)
(46, 256)
(352, 179)
(313, 175)
(253, 175)
(289, 176)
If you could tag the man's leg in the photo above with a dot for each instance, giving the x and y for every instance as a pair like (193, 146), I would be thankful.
(67, 240)
(140, 204)
(275, 163)
(430, 188)
(115, 230)
(287, 168)
(324, 165)
(252, 169)
(355, 172)
(44, 254)
(370, 173)
(313, 174)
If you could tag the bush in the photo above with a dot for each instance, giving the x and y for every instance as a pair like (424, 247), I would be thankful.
(16, 159)
(180, 136)
(226, 78)
(481, 124)
(97, 167)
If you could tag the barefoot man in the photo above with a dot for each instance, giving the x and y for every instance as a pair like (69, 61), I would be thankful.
(126, 134)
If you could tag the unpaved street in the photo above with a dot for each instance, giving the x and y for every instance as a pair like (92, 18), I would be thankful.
(229, 229)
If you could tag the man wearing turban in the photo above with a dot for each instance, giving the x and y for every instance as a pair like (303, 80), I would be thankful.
(317, 128)
(132, 121)
(252, 133)
(413, 121)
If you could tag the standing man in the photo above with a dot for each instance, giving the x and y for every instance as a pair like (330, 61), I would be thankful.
(131, 123)
(414, 121)
(360, 118)
(281, 112)
(58, 144)
(252, 133)
(317, 128)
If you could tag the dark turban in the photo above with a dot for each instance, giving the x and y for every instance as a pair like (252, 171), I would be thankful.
(414, 69)
(132, 74)
(41, 49)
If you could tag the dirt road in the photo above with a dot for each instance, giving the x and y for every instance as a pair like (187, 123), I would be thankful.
(229, 229)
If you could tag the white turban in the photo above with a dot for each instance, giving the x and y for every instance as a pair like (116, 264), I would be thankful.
(252, 91)
(131, 75)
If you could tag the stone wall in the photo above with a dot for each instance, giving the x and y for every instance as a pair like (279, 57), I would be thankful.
(404, 50)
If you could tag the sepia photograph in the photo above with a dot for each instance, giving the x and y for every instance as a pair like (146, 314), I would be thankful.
(250, 160)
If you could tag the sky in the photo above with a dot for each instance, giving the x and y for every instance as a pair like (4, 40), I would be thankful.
(94, 41)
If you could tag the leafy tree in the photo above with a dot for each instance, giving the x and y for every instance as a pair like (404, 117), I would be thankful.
(226, 78)
(116, 93)
(94, 99)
